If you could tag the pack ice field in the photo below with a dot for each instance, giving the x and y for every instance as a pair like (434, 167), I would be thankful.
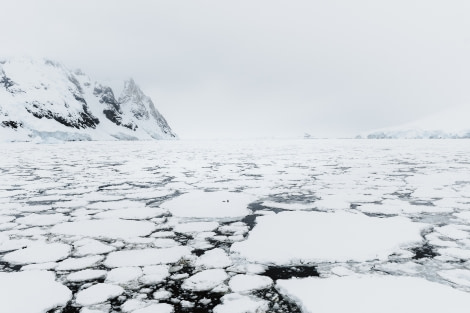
(235, 226)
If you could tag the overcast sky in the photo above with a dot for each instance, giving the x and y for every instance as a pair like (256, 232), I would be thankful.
(261, 68)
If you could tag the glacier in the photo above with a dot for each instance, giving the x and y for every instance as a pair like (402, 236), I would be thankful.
(451, 123)
(43, 101)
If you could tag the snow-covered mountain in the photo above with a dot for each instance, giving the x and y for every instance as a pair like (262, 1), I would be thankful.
(452, 123)
(41, 100)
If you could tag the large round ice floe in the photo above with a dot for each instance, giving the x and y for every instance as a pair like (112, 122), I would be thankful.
(38, 253)
(371, 294)
(98, 293)
(296, 237)
(200, 204)
(31, 292)
(106, 228)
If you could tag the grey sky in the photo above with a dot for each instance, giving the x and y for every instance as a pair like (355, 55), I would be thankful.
(259, 68)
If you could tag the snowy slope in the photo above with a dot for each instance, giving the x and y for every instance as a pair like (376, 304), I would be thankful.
(41, 100)
(452, 123)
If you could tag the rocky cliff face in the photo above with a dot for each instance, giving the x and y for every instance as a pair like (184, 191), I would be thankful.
(42, 100)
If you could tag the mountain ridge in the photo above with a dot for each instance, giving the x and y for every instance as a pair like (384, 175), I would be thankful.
(42, 100)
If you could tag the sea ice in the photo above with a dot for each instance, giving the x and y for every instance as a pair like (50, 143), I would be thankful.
(205, 280)
(38, 253)
(106, 228)
(215, 258)
(85, 275)
(235, 303)
(147, 256)
(97, 294)
(124, 275)
(200, 204)
(457, 276)
(73, 264)
(299, 237)
(156, 308)
(31, 292)
(371, 294)
(247, 283)
(138, 213)
(42, 219)
(196, 227)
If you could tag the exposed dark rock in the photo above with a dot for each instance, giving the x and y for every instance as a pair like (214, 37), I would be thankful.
(12, 124)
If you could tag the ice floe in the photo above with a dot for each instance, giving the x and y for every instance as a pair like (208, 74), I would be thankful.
(205, 280)
(200, 204)
(31, 292)
(147, 256)
(98, 293)
(106, 228)
(371, 294)
(38, 253)
(300, 237)
(248, 283)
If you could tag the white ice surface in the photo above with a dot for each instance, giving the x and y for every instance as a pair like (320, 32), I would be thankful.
(235, 303)
(106, 228)
(196, 227)
(215, 258)
(97, 294)
(123, 275)
(38, 253)
(138, 213)
(31, 292)
(247, 283)
(85, 275)
(296, 237)
(156, 308)
(372, 294)
(205, 280)
(147, 256)
(73, 264)
(200, 204)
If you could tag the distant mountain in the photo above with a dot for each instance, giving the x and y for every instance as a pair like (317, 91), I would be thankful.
(41, 100)
(452, 123)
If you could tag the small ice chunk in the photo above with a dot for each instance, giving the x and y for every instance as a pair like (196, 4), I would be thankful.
(154, 308)
(107, 228)
(154, 274)
(161, 294)
(92, 247)
(133, 304)
(123, 275)
(235, 303)
(205, 280)
(196, 227)
(215, 258)
(97, 294)
(248, 283)
(147, 256)
(85, 275)
(73, 264)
